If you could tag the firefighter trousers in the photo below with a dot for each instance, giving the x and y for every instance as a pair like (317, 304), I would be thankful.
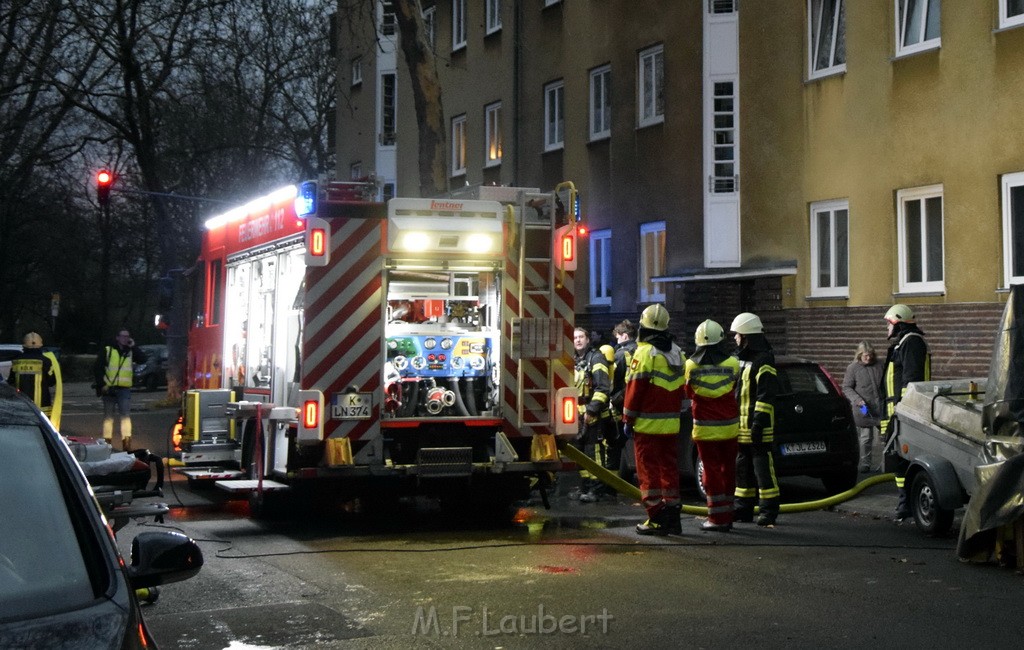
(719, 479)
(657, 468)
(755, 478)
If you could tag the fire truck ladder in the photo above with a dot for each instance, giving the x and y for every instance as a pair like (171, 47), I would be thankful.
(539, 331)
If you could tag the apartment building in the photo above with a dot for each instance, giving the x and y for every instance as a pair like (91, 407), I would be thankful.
(813, 161)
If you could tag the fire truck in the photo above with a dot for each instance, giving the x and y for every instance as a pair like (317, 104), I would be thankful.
(366, 350)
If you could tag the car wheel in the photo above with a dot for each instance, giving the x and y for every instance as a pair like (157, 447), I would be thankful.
(698, 476)
(930, 518)
(840, 480)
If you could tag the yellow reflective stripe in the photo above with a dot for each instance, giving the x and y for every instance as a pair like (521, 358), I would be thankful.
(745, 493)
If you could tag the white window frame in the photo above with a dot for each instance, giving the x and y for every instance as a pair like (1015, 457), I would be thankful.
(554, 115)
(649, 87)
(652, 232)
(836, 211)
(1005, 19)
(837, 28)
(356, 67)
(492, 134)
(459, 145)
(458, 25)
(492, 15)
(600, 267)
(601, 102)
(430, 23)
(355, 170)
(549, 3)
(388, 112)
(1012, 235)
(921, 195)
(387, 21)
(926, 6)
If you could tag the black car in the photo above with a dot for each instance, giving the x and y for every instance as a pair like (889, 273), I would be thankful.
(814, 430)
(152, 373)
(63, 583)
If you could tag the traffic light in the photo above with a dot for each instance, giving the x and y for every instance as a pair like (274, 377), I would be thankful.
(104, 179)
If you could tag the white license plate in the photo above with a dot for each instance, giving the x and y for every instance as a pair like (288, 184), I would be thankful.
(795, 448)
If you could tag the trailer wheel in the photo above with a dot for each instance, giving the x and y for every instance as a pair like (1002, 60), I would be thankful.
(930, 518)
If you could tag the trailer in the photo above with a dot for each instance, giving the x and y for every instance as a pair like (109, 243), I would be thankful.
(347, 348)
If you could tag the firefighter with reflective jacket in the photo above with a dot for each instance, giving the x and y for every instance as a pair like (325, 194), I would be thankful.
(755, 391)
(907, 360)
(594, 385)
(625, 338)
(653, 400)
(114, 379)
(35, 373)
(711, 375)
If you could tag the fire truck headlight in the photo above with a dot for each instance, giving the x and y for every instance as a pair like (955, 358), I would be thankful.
(479, 243)
(415, 241)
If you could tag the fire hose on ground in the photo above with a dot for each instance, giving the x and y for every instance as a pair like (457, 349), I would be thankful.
(626, 488)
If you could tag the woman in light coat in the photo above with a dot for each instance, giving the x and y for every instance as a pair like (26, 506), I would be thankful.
(862, 386)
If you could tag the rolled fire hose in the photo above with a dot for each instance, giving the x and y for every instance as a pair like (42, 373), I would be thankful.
(626, 488)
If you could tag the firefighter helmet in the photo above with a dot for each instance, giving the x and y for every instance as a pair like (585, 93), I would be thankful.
(708, 333)
(32, 340)
(900, 313)
(746, 323)
(608, 352)
(655, 317)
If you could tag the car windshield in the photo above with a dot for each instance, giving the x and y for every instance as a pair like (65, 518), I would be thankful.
(803, 380)
(42, 567)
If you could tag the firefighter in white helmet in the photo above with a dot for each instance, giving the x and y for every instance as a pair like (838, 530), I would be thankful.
(755, 391)
(651, 406)
(711, 375)
(907, 360)
(35, 373)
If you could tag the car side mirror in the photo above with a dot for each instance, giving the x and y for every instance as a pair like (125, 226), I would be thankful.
(160, 558)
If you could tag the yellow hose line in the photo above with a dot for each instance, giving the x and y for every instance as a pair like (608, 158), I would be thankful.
(628, 489)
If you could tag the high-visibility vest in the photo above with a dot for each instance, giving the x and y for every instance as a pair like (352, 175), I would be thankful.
(654, 389)
(119, 369)
(716, 414)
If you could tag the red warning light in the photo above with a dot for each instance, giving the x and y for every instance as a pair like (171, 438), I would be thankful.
(317, 242)
(311, 414)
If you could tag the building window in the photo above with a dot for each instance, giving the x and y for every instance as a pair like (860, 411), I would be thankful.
(722, 6)
(554, 116)
(458, 24)
(548, 3)
(1013, 228)
(601, 102)
(920, 239)
(388, 108)
(459, 145)
(355, 171)
(651, 86)
(387, 191)
(492, 134)
(724, 176)
(827, 36)
(652, 261)
(1011, 13)
(388, 22)
(601, 267)
(917, 26)
(830, 249)
(430, 23)
(493, 16)
(357, 70)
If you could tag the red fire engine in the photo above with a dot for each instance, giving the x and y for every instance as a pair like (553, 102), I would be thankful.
(418, 346)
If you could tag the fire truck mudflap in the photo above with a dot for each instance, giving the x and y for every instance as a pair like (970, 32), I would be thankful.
(426, 347)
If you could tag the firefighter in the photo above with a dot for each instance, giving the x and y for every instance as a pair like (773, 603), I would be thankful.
(651, 406)
(114, 377)
(612, 430)
(907, 360)
(625, 337)
(34, 373)
(711, 375)
(594, 385)
(755, 391)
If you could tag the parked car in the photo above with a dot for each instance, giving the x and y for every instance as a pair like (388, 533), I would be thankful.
(152, 373)
(63, 583)
(814, 431)
(7, 352)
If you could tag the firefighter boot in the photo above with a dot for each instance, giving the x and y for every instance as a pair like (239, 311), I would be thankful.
(902, 507)
(655, 523)
(743, 511)
(769, 512)
(670, 519)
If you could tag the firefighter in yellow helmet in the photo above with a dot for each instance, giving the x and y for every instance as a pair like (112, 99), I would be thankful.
(756, 389)
(651, 406)
(35, 373)
(711, 375)
(593, 381)
(907, 360)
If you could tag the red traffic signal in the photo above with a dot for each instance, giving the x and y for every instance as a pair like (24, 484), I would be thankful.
(104, 179)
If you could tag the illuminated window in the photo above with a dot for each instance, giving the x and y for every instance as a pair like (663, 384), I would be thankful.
(601, 267)
(459, 145)
(492, 134)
